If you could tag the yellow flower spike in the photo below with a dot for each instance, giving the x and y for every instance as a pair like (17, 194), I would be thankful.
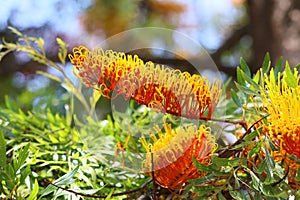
(156, 86)
(282, 103)
(173, 152)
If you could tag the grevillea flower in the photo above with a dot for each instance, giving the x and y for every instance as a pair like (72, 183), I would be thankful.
(164, 89)
(171, 154)
(100, 69)
(281, 100)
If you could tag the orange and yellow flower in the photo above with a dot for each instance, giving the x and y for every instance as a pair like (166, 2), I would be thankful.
(164, 89)
(101, 69)
(171, 154)
(281, 101)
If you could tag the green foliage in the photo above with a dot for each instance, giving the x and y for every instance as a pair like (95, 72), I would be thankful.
(45, 146)
(14, 171)
(64, 180)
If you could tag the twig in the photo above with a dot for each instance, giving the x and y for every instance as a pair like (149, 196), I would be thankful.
(227, 152)
(240, 122)
(249, 187)
(102, 196)
(153, 177)
(56, 130)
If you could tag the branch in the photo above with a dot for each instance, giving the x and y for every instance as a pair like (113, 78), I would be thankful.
(231, 41)
(227, 152)
(186, 65)
(153, 177)
(102, 196)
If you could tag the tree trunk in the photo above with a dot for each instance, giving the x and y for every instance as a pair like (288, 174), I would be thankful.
(265, 32)
(275, 28)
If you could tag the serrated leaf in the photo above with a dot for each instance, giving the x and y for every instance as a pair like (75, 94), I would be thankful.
(238, 146)
(239, 76)
(278, 67)
(2, 150)
(201, 166)
(290, 79)
(67, 178)
(255, 181)
(219, 162)
(202, 180)
(245, 67)
(251, 136)
(245, 89)
(226, 84)
(109, 195)
(262, 166)
(221, 197)
(266, 63)
(25, 173)
(270, 167)
(53, 139)
(48, 190)
(256, 77)
(223, 162)
(297, 178)
(253, 84)
(11, 176)
(204, 190)
(238, 195)
(35, 191)
(22, 156)
(271, 191)
(64, 180)
(235, 98)
(257, 196)
(11, 105)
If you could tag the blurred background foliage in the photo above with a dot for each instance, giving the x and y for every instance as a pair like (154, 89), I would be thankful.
(228, 29)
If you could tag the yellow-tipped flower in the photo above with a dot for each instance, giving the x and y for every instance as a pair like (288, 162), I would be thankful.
(171, 154)
(166, 90)
(100, 69)
(282, 102)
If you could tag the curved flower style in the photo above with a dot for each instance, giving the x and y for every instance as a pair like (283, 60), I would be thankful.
(100, 69)
(170, 91)
(171, 154)
(166, 90)
(282, 102)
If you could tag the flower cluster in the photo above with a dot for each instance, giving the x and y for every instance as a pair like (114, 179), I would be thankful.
(170, 154)
(281, 101)
(158, 87)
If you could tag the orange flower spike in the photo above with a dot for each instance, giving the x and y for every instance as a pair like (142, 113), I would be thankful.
(170, 91)
(101, 69)
(173, 152)
(158, 87)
